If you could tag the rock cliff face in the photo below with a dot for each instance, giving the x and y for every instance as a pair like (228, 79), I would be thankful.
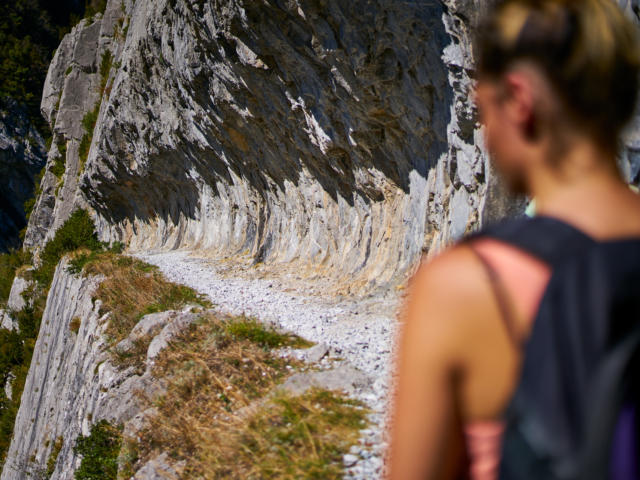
(323, 134)
(58, 392)
(316, 133)
(71, 384)
(313, 133)
(22, 154)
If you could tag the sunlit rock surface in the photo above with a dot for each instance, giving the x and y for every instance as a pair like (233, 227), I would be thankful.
(333, 139)
(338, 137)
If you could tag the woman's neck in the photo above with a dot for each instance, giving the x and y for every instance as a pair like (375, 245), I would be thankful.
(576, 176)
(585, 188)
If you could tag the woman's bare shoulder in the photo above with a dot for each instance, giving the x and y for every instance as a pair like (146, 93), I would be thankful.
(450, 272)
(447, 299)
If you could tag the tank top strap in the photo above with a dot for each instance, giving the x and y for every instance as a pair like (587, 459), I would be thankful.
(547, 238)
(502, 297)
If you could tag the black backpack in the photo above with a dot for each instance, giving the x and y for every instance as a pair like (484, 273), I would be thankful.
(575, 412)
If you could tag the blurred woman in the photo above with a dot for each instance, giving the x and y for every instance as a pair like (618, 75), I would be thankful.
(556, 84)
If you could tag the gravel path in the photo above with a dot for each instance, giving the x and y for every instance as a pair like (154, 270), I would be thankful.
(359, 331)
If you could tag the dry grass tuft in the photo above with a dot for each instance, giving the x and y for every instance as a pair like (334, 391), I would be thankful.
(132, 289)
(133, 357)
(218, 418)
(290, 437)
(74, 324)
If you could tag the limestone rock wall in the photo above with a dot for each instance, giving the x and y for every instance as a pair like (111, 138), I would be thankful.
(72, 89)
(71, 383)
(324, 134)
(338, 137)
(60, 390)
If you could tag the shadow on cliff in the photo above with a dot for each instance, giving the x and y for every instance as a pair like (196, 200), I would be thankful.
(339, 91)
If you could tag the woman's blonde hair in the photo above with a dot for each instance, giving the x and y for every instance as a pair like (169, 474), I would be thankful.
(587, 48)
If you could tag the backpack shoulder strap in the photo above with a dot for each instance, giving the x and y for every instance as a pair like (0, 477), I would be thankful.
(605, 404)
(547, 238)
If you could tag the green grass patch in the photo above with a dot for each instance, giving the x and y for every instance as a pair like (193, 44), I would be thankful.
(31, 202)
(89, 124)
(57, 109)
(299, 436)
(263, 335)
(99, 452)
(105, 67)
(53, 456)
(58, 166)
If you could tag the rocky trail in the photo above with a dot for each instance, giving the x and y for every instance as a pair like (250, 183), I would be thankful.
(349, 331)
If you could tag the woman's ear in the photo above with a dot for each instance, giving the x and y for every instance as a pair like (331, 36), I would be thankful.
(519, 102)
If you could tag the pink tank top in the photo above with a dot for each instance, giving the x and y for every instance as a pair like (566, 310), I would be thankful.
(483, 439)
(484, 442)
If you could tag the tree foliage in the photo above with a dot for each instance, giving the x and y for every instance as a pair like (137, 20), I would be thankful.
(30, 31)
(99, 452)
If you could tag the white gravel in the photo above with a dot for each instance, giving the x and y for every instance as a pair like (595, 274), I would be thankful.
(361, 331)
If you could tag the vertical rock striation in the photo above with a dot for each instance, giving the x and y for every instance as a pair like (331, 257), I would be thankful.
(58, 390)
(71, 383)
(337, 137)
(317, 133)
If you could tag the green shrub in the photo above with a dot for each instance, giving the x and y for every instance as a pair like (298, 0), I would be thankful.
(9, 263)
(62, 148)
(16, 347)
(90, 118)
(93, 7)
(58, 167)
(77, 232)
(105, 68)
(83, 150)
(16, 351)
(89, 124)
(31, 202)
(99, 452)
(11, 352)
